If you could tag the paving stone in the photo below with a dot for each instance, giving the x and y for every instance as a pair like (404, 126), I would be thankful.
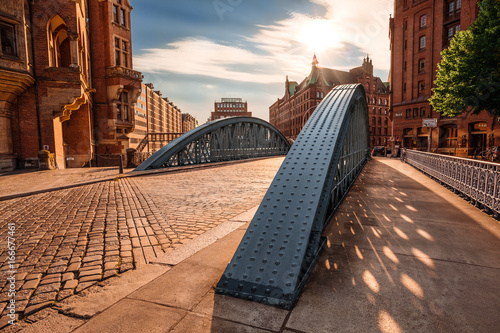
(67, 276)
(90, 272)
(31, 284)
(71, 284)
(88, 278)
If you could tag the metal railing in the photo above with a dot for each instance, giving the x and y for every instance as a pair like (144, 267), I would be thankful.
(477, 180)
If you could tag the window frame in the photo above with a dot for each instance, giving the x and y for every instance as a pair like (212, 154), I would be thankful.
(13, 30)
(423, 21)
(422, 42)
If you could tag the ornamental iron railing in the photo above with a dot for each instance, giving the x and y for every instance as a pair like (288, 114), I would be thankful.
(479, 181)
(228, 139)
(282, 243)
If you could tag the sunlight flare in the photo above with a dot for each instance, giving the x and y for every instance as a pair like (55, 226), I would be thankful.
(319, 35)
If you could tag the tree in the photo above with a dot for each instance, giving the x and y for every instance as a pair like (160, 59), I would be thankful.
(468, 76)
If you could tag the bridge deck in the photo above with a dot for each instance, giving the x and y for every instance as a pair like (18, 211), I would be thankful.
(404, 255)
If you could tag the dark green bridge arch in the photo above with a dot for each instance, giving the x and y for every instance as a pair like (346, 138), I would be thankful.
(221, 140)
(281, 246)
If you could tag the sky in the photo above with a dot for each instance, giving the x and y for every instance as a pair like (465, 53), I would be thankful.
(199, 51)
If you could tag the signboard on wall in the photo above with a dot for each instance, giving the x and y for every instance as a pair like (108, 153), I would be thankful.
(429, 122)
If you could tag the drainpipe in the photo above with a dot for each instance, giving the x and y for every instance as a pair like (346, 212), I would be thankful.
(37, 103)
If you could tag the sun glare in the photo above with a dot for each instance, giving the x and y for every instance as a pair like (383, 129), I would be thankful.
(319, 35)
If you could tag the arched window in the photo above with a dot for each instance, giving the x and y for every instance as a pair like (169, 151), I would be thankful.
(59, 43)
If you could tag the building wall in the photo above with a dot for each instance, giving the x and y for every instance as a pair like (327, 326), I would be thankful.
(188, 122)
(413, 71)
(63, 86)
(117, 86)
(230, 107)
(156, 114)
(290, 113)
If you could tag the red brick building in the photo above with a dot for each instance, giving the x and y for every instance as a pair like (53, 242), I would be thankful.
(230, 107)
(419, 31)
(290, 113)
(71, 86)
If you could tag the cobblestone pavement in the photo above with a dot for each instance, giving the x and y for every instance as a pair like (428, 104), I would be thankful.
(70, 239)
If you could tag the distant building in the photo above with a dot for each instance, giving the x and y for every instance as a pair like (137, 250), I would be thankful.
(230, 107)
(419, 31)
(67, 83)
(157, 114)
(188, 122)
(290, 113)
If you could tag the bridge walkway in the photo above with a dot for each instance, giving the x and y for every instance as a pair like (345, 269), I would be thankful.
(404, 254)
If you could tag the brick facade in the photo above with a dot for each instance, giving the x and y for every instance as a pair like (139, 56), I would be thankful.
(230, 107)
(290, 113)
(419, 31)
(157, 114)
(64, 81)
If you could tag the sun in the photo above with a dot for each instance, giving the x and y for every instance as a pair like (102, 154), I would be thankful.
(319, 34)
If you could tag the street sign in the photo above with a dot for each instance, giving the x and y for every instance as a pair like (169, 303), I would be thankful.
(429, 122)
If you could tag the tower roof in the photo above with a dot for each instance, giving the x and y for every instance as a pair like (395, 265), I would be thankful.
(315, 60)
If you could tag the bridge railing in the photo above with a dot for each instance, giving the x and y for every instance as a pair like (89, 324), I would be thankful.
(477, 180)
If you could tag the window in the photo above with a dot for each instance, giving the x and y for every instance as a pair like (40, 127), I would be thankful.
(422, 42)
(121, 52)
(423, 21)
(453, 7)
(379, 122)
(415, 112)
(448, 136)
(421, 87)
(115, 13)
(122, 17)
(385, 102)
(119, 14)
(122, 107)
(373, 110)
(408, 113)
(421, 65)
(379, 101)
(422, 112)
(374, 121)
(379, 111)
(58, 42)
(8, 38)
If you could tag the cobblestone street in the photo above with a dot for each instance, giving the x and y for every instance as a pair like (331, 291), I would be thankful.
(69, 240)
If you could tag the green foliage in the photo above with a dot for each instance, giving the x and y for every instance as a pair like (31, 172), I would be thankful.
(468, 77)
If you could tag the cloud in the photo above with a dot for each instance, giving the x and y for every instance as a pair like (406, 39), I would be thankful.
(252, 59)
(197, 56)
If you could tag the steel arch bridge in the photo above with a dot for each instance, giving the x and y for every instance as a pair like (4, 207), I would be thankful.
(282, 244)
(221, 140)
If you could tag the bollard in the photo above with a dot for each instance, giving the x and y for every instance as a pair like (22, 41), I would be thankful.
(121, 165)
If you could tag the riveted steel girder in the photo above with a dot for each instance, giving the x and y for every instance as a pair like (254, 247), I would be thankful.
(227, 139)
(282, 243)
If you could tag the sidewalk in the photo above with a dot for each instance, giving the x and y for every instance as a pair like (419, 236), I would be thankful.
(29, 181)
(404, 255)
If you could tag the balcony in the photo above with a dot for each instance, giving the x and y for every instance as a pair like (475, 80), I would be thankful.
(123, 72)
